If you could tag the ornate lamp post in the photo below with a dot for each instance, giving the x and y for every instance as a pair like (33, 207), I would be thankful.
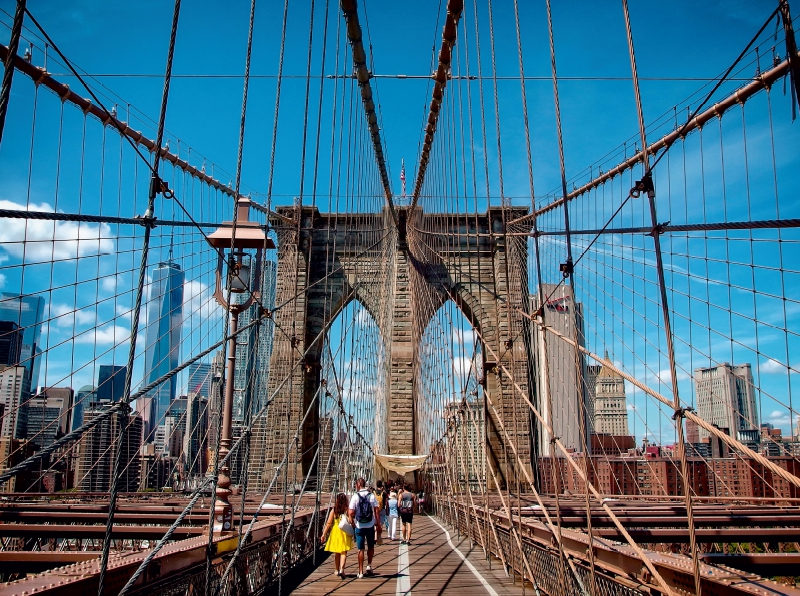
(243, 274)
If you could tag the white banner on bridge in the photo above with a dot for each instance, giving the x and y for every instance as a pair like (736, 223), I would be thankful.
(401, 463)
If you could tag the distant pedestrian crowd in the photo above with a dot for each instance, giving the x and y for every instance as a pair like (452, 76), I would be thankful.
(359, 520)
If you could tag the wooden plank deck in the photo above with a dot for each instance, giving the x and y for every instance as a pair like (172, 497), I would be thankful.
(429, 565)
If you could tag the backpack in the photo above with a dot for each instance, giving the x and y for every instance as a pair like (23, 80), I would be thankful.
(407, 503)
(364, 509)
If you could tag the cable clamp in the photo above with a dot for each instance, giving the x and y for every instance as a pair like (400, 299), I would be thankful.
(658, 229)
(566, 268)
(160, 187)
(554, 440)
(265, 313)
(681, 412)
(644, 185)
(147, 220)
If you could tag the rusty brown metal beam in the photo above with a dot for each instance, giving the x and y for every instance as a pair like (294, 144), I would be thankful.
(350, 10)
(94, 531)
(440, 78)
(41, 77)
(172, 561)
(761, 82)
(38, 561)
(769, 564)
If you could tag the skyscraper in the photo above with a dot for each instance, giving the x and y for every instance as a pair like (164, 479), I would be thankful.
(252, 361)
(49, 415)
(610, 408)
(110, 382)
(568, 394)
(162, 351)
(14, 395)
(200, 379)
(27, 312)
(10, 343)
(83, 398)
(194, 437)
(726, 398)
(98, 452)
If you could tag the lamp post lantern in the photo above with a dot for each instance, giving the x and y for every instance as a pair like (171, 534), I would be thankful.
(243, 274)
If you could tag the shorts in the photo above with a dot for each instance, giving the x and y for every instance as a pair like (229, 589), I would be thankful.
(365, 538)
(406, 518)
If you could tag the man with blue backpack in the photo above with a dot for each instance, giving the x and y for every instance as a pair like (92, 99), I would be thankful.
(364, 515)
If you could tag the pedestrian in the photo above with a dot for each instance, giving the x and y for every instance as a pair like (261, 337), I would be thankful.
(336, 540)
(406, 509)
(421, 501)
(393, 514)
(365, 516)
(381, 498)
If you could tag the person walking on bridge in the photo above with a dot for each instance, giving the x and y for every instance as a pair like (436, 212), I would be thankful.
(406, 507)
(365, 516)
(337, 540)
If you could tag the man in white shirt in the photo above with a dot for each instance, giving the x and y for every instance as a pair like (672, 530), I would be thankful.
(364, 516)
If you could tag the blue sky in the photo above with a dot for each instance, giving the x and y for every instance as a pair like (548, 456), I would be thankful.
(673, 40)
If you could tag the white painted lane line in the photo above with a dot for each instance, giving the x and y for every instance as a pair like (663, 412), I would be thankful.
(475, 572)
(403, 572)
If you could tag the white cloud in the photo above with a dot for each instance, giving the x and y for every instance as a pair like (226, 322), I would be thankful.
(463, 367)
(771, 366)
(104, 335)
(199, 302)
(665, 376)
(67, 317)
(2, 279)
(40, 240)
(467, 338)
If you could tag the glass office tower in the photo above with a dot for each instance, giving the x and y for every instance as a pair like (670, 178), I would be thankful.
(27, 312)
(162, 351)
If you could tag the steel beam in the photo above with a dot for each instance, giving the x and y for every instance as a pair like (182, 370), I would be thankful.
(41, 77)
(763, 81)
(350, 10)
(440, 78)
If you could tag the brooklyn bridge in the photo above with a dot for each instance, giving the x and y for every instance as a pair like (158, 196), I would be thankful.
(562, 309)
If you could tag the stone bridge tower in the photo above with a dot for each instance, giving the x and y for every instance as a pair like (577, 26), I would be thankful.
(402, 278)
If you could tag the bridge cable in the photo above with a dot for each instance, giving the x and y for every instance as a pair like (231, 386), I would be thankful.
(155, 188)
(666, 314)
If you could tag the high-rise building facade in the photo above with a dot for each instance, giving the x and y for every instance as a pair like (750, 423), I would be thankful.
(83, 400)
(194, 436)
(253, 351)
(199, 379)
(97, 452)
(27, 312)
(111, 382)
(162, 350)
(726, 398)
(610, 407)
(49, 416)
(14, 395)
(11, 337)
(568, 397)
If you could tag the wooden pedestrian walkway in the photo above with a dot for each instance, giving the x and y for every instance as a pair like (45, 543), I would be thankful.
(430, 565)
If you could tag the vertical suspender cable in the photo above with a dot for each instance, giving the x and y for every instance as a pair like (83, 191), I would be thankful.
(8, 73)
(567, 270)
(647, 185)
(540, 290)
(148, 220)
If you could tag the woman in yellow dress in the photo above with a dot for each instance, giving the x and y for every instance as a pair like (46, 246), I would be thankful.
(336, 540)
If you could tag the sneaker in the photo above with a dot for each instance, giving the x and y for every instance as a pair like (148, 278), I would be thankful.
(342, 575)
(336, 573)
(369, 572)
(360, 576)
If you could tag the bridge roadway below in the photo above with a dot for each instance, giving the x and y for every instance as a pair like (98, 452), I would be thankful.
(436, 562)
